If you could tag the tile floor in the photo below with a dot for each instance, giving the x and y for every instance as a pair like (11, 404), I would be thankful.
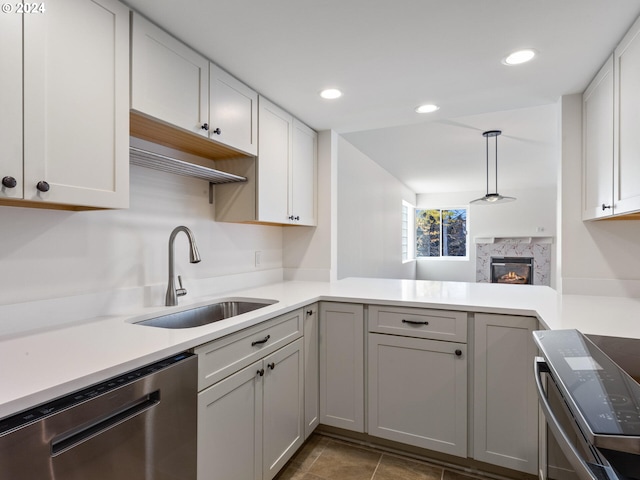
(325, 458)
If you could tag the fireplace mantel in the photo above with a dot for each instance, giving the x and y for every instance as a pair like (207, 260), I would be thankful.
(511, 239)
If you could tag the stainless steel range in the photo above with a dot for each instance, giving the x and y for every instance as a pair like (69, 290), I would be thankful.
(600, 404)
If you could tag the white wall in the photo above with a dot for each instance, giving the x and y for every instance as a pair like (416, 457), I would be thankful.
(599, 257)
(532, 214)
(369, 215)
(49, 253)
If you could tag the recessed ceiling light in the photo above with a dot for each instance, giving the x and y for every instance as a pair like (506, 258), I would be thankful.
(427, 108)
(331, 93)
(521, 56)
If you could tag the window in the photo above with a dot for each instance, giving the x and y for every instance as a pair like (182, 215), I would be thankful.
(441, 233)
(407, 228)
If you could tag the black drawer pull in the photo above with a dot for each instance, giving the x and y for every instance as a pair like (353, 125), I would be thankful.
(271, 365)
(413, 322)
(260, 342)
(260, 372)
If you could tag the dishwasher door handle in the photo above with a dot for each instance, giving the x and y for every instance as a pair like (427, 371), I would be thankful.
(75, 436)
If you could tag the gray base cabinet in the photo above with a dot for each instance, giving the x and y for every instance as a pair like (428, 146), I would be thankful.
(418, 392)
(505, 408)
(342, 365)
(251, 404)
(311, 370)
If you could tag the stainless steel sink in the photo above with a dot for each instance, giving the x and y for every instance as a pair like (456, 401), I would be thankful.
(206, 314)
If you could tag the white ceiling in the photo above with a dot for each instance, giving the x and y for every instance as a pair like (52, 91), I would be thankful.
(388, 57)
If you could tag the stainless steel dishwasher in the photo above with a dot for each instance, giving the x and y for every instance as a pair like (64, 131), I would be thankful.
(137, 426)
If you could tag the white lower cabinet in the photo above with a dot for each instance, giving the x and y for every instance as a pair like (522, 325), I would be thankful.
(418, 392)
(505, 409)
(252, 422)
(311, 370)
(230, 427)
(342, 365)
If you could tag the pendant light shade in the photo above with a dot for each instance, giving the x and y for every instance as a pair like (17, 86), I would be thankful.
(492, 198)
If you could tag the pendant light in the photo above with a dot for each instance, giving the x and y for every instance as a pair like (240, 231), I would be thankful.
(491, 198)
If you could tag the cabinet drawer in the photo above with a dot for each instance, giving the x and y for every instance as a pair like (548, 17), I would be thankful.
(222, 357)
(419, 322)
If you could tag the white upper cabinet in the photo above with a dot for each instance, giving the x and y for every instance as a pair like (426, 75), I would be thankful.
(11, 100)
(169, 81)
(287, 165)
(275, 133)
(597, 138)
(174, 84)
(75, 93)
(233, 112)
(627, 122)
(611, 144)
(302, 175)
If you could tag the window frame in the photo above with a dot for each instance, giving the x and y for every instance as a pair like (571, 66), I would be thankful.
(408, 226)
(441, 257)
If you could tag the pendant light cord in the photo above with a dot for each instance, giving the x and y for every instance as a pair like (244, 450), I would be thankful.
(496, 164)
(487, 143)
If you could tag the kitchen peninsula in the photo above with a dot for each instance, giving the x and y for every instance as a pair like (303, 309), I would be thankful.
(56, 361)
(51, 361)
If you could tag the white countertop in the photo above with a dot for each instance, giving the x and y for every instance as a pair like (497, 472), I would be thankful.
(40, 366)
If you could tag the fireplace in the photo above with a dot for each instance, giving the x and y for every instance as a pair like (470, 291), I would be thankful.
(512, 270)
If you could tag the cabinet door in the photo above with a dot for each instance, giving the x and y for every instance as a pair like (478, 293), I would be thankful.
(627, 117)
(11, 101)
(283, 407)
(302, 174)
(597, 139)
(230, 427)
(505, 402)
(342, 365)
(418, 392)
(274, 130)
(76, 98)
(233, 111)
(169, 81)
(311, 370)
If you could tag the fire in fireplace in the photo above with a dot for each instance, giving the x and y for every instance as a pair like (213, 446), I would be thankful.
(512, 270)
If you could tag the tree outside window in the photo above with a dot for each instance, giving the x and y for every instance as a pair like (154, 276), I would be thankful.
(441, 233)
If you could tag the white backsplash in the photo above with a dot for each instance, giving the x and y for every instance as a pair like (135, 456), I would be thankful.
(538, 248)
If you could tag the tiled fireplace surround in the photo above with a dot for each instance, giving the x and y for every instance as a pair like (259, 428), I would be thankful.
(539, 248)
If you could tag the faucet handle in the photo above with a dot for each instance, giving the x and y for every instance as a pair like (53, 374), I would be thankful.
(180, 292)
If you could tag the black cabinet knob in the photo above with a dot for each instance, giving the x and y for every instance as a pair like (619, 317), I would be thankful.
(271, 365)
(605, 207)
(205, 126)
(43, 186)
(9, 182)
(458, 353)
(217, 131)
(260, 372)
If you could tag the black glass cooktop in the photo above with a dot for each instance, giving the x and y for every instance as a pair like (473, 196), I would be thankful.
(607, 399)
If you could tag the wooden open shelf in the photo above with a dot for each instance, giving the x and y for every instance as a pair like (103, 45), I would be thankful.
(155, 131)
